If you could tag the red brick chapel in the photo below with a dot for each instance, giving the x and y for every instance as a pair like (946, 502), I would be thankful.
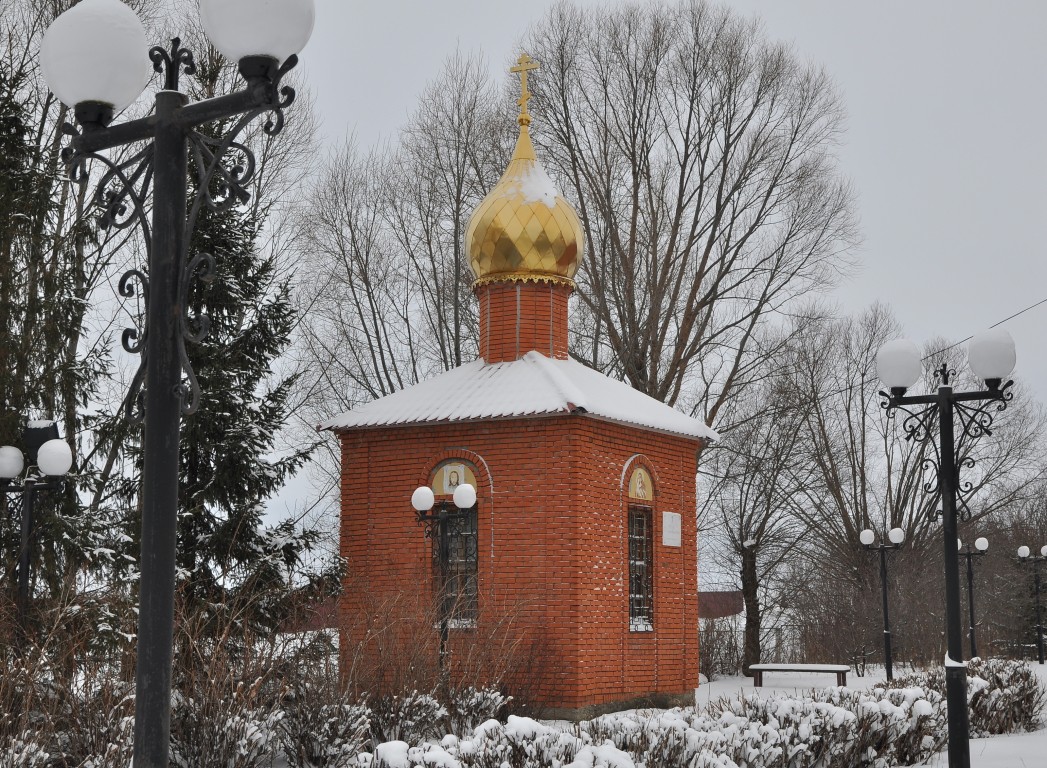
(584, 522)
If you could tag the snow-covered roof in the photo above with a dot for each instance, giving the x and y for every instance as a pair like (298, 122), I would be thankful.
(534, 385)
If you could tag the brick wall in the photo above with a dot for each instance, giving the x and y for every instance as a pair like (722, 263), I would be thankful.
(516, 317)
(552, 543)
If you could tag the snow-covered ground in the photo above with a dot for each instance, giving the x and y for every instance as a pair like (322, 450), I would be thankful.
(1023, 750)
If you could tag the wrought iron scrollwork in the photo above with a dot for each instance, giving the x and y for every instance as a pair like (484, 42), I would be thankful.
(919, 426)
(975, 421)
(224, 168)
(120, 194)
(133, 341)
(444, 517)
(965, 488)
(284, 97)
(119, 197)
(931, 469)
(944, 373)
(168, 63)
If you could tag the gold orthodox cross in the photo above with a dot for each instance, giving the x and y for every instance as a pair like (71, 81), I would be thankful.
(524, 65)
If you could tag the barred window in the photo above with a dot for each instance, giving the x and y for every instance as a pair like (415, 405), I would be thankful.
(454, 568)
(641, 566)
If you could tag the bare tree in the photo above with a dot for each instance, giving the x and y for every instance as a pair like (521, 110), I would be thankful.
(454, 147)
(699, 156)
(870, 475)
(385, 281)
(867, 475)
(755, 483)
(811, 454)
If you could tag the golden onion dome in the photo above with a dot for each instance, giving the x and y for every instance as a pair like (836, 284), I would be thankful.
(524, 229)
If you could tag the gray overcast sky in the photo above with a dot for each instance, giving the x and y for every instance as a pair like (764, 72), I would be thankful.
(946, 140)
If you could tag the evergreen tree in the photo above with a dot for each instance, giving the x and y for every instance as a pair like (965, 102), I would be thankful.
(48, 258)
(15, 196)
(232, 564)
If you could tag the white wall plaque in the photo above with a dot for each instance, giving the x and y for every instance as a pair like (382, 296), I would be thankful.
(671, 532)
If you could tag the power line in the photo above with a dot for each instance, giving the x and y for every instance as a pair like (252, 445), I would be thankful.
(866, 382)
(994, 325)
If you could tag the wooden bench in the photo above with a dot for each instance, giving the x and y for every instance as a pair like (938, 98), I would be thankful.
(758, 670)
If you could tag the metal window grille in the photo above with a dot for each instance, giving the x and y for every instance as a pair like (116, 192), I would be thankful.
(641, 566)
(455, 567)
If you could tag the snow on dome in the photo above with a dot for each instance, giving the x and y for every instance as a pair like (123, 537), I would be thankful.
(534, 385)
(524, 229)
(533, 185)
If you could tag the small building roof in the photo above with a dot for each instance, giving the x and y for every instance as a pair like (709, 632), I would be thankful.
(534, 385)
(718, 605)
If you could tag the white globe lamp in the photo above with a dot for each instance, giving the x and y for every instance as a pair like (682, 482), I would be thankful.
(1043, 551)
(991, 355)
(423, 499)
(54, 458)
(899, 364)
(981, 544)
(896, 535)
(269, 28)
(12, 462)
(464, 496)
(867, 537)
(94, 58)
(1023, 552)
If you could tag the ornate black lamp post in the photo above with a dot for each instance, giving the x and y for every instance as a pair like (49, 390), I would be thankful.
(897, 536)
(440, 526)
(49, 461)
(991, 357)
(1036, 561)
(94, 59)
(981, 547)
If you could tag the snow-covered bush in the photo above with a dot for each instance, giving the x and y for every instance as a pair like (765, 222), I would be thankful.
(320, 729)
(1004, 695)
(232, 728)
(412, 717)
(118, 752)
(1012, 699)
(831, 727)
(23, 752)
(468, 707)
(97, 724)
